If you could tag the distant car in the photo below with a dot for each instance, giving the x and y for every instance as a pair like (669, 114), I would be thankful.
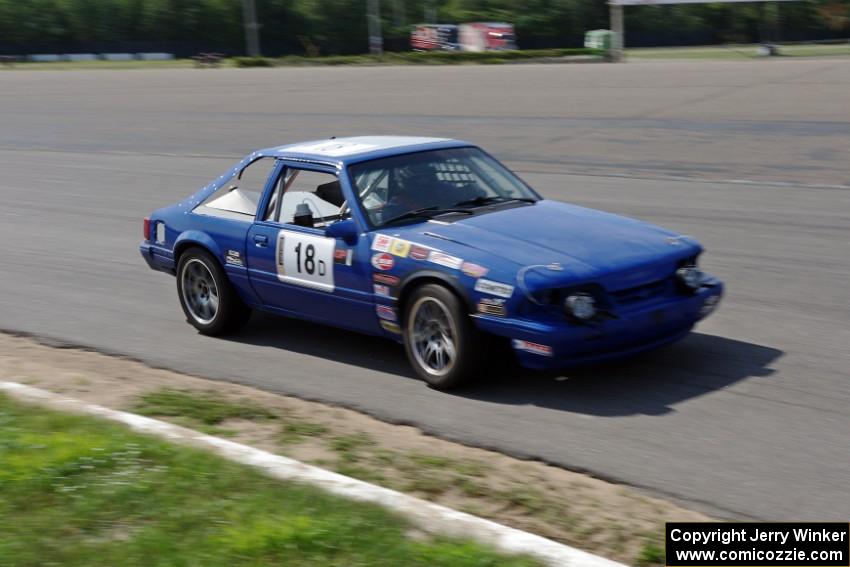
(430, 242)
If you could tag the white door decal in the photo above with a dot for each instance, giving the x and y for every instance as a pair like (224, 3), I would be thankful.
(305, 259)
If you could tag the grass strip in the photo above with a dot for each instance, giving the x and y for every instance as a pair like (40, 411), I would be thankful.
(738, 51)
(199, 410)
(428, 57)
(468, 484)
(77, 491)
(389, 58)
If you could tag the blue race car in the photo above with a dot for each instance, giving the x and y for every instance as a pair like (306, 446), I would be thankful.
(430, 242)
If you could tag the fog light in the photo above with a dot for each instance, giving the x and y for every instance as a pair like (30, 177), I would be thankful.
(690, 276)
(581, 306)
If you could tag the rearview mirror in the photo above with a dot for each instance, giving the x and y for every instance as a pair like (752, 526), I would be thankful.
(345, 229)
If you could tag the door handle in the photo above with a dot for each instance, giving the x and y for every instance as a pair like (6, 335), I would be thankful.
(261, 240)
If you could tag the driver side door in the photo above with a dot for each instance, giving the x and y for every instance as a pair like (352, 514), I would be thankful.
(294, 267)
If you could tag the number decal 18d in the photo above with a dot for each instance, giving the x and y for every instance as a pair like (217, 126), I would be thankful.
(305, 259)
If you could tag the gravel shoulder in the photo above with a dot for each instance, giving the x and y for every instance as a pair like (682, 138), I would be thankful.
(612, 520)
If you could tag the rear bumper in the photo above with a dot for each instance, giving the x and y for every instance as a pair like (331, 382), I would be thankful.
(561, 344)
(157, 257)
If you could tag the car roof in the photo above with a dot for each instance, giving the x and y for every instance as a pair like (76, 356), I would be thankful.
(343, 151)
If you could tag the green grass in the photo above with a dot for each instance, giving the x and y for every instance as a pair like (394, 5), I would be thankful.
(201, 410)
(743, 51)
(349, 448)
(297, 431)
(527, 498)
(430, 461)
(651, 554)
(76, 491)
(351, 443)
(206, 411)
(389, 58)
(458, 481)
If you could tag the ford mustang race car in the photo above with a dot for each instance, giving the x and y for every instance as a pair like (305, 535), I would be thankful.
(430, 242)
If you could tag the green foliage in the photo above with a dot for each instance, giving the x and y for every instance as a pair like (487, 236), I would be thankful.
(338, 27)
(253, 62)
(79, 492)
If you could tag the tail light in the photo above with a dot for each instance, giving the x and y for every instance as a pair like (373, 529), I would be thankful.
(146, 228)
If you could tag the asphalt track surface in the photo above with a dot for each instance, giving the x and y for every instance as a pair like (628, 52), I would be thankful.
(747, 418)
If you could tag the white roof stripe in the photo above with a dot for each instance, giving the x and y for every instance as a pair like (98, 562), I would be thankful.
(338, 147)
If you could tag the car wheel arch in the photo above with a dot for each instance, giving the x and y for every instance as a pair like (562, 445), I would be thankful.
(196, 239)
(418, 279)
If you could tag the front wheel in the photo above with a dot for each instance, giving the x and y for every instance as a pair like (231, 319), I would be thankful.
(441, 342)
(208, 299)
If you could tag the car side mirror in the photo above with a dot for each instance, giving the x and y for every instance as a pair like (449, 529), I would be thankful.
(345, 229)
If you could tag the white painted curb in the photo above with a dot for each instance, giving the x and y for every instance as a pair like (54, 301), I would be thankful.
(427, 516)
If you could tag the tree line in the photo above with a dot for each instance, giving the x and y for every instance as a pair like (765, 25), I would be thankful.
(339, 26)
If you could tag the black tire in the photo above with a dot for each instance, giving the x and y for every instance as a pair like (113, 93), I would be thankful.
(435, 316)
(206, 295)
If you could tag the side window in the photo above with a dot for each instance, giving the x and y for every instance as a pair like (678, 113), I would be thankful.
(309, 198)
(240, 195)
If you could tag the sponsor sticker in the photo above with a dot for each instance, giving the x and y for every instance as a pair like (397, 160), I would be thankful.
(385, 279)
(445, 260)
(342, 256)
(391, 327)
(234, 258)
(381, 289)
(400, 247)
(419, 252)
(382, 261)
(494, 288)
(492, 306)
(474, 270)
(386, 313)
(534, 348)
(382, 243)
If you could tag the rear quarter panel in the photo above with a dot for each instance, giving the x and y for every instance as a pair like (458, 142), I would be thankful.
(225, 240)
(218, 236)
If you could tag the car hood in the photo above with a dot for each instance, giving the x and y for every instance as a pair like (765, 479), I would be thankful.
(586, 242)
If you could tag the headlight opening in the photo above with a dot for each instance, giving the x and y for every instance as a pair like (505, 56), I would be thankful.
(581, 306)
(689, 277)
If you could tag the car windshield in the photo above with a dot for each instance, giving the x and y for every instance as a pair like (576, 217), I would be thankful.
(426, 184)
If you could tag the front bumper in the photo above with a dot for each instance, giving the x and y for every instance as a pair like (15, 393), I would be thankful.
(561, 344)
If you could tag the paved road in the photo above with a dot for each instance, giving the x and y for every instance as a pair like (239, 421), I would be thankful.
(747, 418)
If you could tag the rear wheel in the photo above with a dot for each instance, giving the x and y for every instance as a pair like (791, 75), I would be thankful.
(441, 342)
(208, 299)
